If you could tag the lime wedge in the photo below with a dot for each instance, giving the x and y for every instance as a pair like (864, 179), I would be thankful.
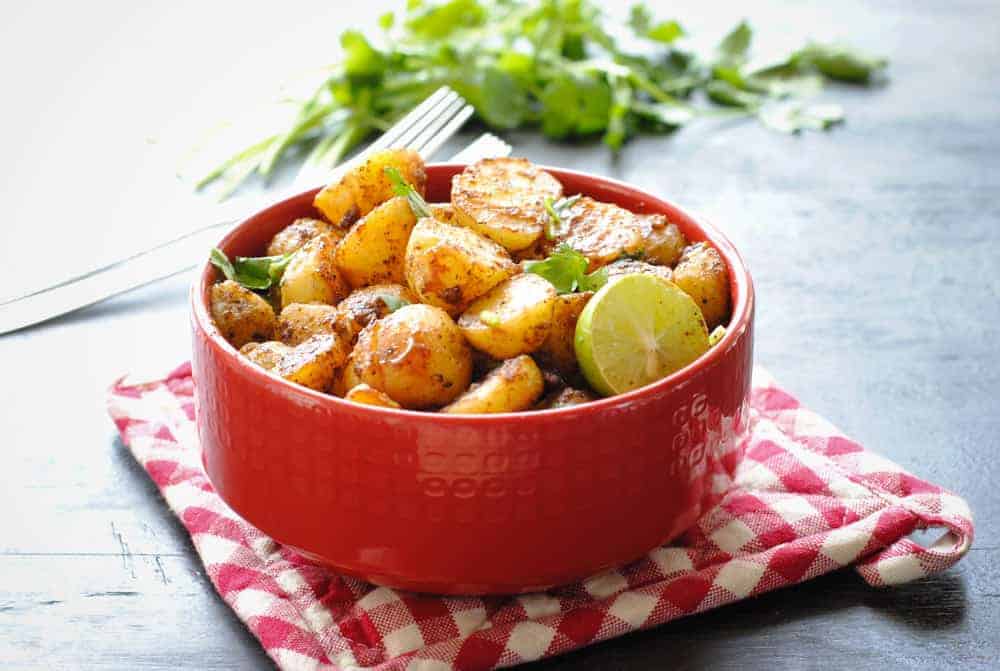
(637, 330)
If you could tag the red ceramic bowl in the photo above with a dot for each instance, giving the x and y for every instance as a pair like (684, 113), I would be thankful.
(472, 504)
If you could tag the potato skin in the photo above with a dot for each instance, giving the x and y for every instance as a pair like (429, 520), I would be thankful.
(513, 386)
(314, 362)
(416, 355)
(449, 266)
(564, 398)
(366, 395)
(240, 315)
(365, 305)
(312, 275)
(292, 237)
(624, 267)
(504, 200)
(265, 354)
(367, 185)
(374, 249)
(602, 232)
(702, 274)
(558, 350)
(513, 318)
(300, 321)
(662, 242)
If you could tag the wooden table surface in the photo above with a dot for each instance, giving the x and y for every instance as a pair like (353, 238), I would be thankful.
(875, 250)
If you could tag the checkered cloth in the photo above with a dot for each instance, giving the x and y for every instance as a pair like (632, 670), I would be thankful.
(806, 501)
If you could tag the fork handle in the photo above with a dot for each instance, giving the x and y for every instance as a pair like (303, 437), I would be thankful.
(166, 260)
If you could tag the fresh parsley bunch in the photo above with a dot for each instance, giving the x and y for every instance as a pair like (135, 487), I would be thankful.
(547, 64)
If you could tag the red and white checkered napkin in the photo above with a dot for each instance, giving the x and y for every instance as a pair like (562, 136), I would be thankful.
(806, 501)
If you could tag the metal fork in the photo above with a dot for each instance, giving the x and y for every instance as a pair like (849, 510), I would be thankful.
(424, 129)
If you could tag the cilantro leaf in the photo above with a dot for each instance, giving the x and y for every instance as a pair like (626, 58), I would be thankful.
(641, 22)
(566, 270)
(417, 203)
(841, 62)
(735, 46)
(253, 272)
(556, 210)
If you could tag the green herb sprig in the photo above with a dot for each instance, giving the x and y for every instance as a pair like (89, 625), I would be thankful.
(253, 272)
(566, 270)
(547, 64)
(403, 188)
(557, 209)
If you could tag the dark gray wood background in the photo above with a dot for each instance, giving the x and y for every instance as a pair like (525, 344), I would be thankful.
(874, 248)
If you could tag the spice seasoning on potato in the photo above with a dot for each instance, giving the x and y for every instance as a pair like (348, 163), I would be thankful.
(240, 315)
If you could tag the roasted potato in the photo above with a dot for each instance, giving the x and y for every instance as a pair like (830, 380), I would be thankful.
(300, 321)
(444, 212)
(312, 275)
(662, 242)
(416, 355)
(564, 398)
(504, 199)
(367, 186)
(514, 317)
(702, 274)
(314, 362)
(292, 237)
(558, 350)
(363, 306)
(369, 396)
(514, 386)
(241, 315)
(600, 231)
(265, 354)
(374, 249)
(450, 266)
(623, 267)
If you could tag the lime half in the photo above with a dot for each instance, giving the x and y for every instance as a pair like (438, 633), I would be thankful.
(637, 330)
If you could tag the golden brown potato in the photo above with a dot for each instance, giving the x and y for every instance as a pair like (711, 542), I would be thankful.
(374, 249)
(514, 386)
(292, 237)
(240, 315)
(623, 267)
(312, 275)
(558, 350)
(504, 199)
(365, 305)
(314, 362)
(416, 355)
(444, 212)
(600, 231)
(450, 266)
(564, 398)
(514, 317)
(702, 274)
(662, 242)
(300, 321)
(367, 186)
(368, 396)
(265, 354)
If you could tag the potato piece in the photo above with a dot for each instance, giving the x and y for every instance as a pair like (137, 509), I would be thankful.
(624, 267)
(444, 212)
(558, 350)
(564, 398)
(363, 306)
(292, 237)
(312, 276)
(368, 396)
(240, 315)
(416, 355)
(702, 274)
(514, 386)
(662, 242)
(374, 249)
(600, 231)
(513, 318)
(300, 321)
(450, 266)
(504, 199)
(314, 362)
(367, 186)
(265, 354)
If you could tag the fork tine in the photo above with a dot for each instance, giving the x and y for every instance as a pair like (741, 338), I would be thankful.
(434, 125)
(432, 116)
(404, 124)
(434, 142)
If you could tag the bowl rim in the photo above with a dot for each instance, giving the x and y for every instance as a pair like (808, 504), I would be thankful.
(740, 282)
